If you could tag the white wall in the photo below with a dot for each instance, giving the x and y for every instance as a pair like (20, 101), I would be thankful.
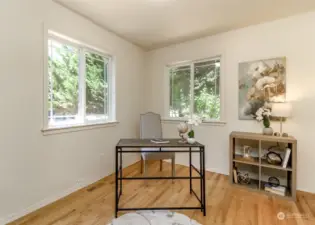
(292, 37)
(37, 169)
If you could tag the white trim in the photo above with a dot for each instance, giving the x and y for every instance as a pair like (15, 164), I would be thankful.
(82, 50)
(170, 120)
(78, 127)
(111, 80)
(222, 87)
(47, 201)
(45, 78)
(188, 62)
(166, 91)
(191, 64)
(83, 183)
(192, 88)
(82, 87)
(75, 43)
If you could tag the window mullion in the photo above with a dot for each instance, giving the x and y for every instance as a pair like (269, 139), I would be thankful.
(107, 91)
(192, 86)
(51, 86)
(82, 89)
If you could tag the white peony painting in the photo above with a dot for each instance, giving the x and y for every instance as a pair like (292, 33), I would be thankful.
(260, 82)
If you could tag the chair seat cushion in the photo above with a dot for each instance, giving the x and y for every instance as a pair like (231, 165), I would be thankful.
(155, 155)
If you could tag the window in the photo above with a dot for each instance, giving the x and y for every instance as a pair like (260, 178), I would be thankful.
(195, 89)
(79, 90)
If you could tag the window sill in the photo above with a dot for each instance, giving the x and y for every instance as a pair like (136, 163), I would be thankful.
(75, 128)
(204, 123)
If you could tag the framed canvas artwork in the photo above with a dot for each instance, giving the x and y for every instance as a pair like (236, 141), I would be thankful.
(260, 82)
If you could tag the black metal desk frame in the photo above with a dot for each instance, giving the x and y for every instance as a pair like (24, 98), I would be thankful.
(170, 148)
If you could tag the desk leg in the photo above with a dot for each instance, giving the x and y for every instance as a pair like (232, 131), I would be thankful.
(116, 183)
(190, 171)
(121, 175)
(201, 179)
(204, 181)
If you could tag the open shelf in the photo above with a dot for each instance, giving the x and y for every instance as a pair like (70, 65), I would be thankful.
(258, 169)
(240, 159)
(254, 184)
(264, 163)
(288, 193)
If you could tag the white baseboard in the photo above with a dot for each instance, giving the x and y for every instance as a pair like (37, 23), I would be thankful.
(214, 170)
(56, 197)
(45, 202)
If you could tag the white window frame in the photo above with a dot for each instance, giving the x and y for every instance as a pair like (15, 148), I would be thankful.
(192, 63)
(111, 106)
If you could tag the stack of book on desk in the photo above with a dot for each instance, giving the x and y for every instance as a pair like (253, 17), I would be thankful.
(279, 190)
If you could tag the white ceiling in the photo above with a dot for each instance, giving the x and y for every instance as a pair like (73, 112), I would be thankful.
(157, 23)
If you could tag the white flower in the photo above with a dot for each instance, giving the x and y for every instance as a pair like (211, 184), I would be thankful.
(267, 112)
(260, 109)
(259, 112)
(259, 118)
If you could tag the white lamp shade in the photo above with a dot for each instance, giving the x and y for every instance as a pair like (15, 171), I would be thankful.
(281, 110)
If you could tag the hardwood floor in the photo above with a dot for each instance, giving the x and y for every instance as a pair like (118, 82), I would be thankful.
(226, 205)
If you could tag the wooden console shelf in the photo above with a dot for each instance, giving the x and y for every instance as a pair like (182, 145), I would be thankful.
(258, 168)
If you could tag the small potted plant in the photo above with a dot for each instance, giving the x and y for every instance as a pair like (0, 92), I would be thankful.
(263, 115)
(193, 121)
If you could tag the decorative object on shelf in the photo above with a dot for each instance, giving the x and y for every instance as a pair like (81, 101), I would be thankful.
(277, 134)
(282, 110)
(235, 175)
(275, 147)
(182, 129)
(279, 190)
(193, 121)
(286, 157)
(243, 178)
(273, 181)
(267, 131)
(259, 82)
(274, 158)
(263, 114)
(247, 153)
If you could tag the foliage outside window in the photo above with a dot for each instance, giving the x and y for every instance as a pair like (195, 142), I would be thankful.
(78, 85)
(195, 90)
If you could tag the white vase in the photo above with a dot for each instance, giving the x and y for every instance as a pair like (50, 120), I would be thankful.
(268, 131)
(191, 140)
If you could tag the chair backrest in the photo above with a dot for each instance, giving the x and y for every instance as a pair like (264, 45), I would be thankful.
(150, 125)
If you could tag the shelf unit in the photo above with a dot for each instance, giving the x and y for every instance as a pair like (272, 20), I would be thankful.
(261, 165)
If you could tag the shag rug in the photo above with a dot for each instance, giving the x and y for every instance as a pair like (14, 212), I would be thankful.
(153, 218)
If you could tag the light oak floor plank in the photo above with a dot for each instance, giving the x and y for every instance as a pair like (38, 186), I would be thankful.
(226, 205)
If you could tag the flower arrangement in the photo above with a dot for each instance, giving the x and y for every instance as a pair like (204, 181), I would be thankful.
(193, 121)
(263, 114)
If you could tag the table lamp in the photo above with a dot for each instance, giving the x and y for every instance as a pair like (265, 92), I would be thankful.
(282, 110)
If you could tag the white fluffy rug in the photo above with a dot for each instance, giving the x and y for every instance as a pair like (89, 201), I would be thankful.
(153, 218)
